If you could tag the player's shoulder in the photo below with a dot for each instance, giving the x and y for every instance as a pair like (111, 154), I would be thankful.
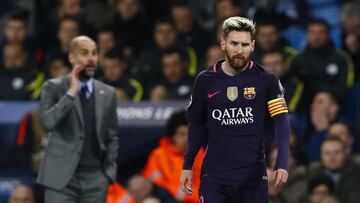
(57, 82)
(104, 86)
(211, 71)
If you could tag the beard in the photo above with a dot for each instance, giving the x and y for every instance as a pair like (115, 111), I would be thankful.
(237, 62)
(87, 74)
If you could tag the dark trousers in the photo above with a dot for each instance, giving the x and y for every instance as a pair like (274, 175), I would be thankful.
(84, 187)
(211, 192)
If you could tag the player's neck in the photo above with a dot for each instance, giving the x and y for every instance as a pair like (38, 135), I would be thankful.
(228, 70)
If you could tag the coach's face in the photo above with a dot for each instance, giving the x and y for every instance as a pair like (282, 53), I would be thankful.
(238, 47)
(85, 53)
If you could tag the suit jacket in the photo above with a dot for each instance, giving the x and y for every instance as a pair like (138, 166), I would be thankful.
(62, 115)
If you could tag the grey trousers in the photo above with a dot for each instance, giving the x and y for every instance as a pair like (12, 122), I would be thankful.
(84, 187)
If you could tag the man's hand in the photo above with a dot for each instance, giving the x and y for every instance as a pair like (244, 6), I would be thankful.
(186, 181)
(74, 81)
(280, 177)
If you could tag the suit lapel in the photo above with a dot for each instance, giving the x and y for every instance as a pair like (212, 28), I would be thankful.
(99, 99)
(79, 109)
(77, 101)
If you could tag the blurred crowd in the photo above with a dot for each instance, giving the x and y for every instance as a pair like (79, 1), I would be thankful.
(152, 50)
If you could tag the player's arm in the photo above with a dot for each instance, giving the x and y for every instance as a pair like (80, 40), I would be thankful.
(279, 112)
(53, 111)
(196, 115)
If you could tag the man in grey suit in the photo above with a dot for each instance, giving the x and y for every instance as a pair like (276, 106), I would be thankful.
(80, 114)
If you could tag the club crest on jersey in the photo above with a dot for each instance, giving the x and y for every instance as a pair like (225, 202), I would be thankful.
(249, 92)
(232, 93)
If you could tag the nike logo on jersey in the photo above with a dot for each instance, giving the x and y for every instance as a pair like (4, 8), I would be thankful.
(211, 95)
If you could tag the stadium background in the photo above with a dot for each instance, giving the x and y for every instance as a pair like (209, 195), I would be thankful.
(151, 51)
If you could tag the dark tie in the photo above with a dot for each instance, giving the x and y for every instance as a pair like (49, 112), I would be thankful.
(85, 93)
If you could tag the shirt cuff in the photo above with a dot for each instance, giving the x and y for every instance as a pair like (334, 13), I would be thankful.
(70, 94)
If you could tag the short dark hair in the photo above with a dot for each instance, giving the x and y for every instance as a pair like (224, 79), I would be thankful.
(115, 53)
(176, 119)
(174, 50)
(320, 180)
(319, 21)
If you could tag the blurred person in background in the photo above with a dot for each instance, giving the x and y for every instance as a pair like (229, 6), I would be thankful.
(214, 54)
(319, 188)
(274, 61)
(106, 41)
(174, 71)
(148, 67)
(130, 26)
(350, 20)
(336, 164)
(68, 28)
(18, 79)
(188, 31)
(115, 73)
(22, 194)
(322, 67)
(59, 66)
(324, 111)
(164, 164)
(268, 38)
(16, 31)
(159, 93)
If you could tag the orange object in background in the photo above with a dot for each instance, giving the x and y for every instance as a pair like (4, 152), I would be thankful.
(117, 193)
(164, 167)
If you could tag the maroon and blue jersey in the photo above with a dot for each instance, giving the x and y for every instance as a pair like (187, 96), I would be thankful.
(236, 114)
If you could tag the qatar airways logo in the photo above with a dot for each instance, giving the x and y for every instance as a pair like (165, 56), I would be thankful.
(234, 116)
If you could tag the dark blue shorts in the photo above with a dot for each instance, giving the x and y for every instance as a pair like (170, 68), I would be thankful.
(211, 192)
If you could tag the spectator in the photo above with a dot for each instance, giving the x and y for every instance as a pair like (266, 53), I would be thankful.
(68, 28)
(324, 110)
(17, 80)
(159, 93)
(293, 87)
(341, 131)
(321, 66)
(130, 26)
(336, 164)
(58, 66)
(189, 32)
(268, 38)
(115, 74)
(319, 188)
(106, 41)
(148, 67)
(22, 194)
(16, 31)
(175, 78)
(164, 164)
(214, 54)
(350, 18)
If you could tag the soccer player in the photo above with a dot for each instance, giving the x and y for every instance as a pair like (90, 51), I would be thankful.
(235, 106)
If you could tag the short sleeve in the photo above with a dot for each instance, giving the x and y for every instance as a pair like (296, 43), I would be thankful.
(197, 111)
(275, 97)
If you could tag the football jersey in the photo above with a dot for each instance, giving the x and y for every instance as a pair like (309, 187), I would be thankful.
(236, 111)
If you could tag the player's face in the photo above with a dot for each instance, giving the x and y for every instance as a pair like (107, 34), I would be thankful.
(85, 54)
(238, 47)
